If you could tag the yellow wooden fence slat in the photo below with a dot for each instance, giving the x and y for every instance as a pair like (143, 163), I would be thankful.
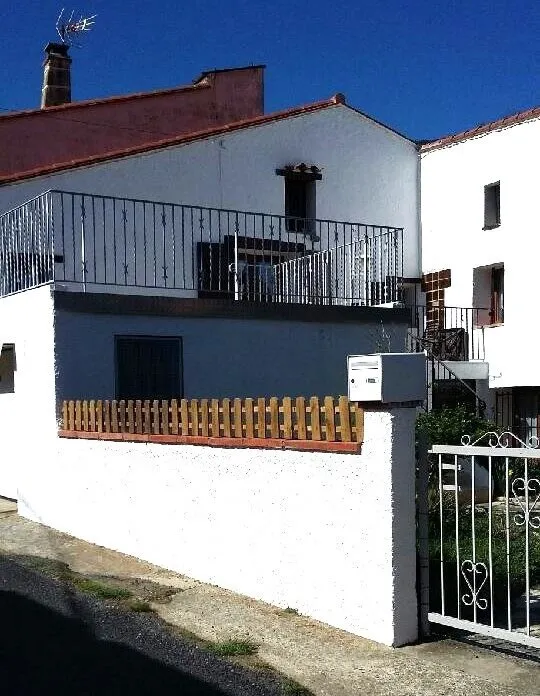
(359, 421)
(261, 418)
(287, 418)
(237, 414)
(344, 419)
(99, 416)
(155, 417)
(226, 412)
(122, 423)
(194, 411)
(174, 417)
(315, 418)
(301, 430)
(107, 416)
(184, 417)
(249, 418)
(85, 416)
(215, 418)
(274, 417)
(147, 425)
(114, 416)
(329, 419)
(92, 416)
(138, 416)
(164, 426)
(204, 418)
(131, 416)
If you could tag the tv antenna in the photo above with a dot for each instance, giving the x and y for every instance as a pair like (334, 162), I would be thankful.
(69, 29)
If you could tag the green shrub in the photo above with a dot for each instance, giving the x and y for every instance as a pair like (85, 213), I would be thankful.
(446, 426)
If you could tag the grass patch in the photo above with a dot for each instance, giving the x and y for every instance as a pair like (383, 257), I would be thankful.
(100, 589)
(139, 605)
(234, 647)
(290, 610)
(293, 688)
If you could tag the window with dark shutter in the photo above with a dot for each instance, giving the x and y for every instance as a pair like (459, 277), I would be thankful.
(300, 192)
(148, 367)
(492, 205)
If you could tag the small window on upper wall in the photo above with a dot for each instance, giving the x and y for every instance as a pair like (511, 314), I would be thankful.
(492, 205)
(7, 368)
(300, 196)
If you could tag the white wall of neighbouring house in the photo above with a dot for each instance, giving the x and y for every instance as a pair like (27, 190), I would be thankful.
(369, 173)
(27, 408)
(453, 180)
(330, 534)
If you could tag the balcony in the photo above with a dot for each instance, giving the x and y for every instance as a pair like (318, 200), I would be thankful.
(450, 334)
(90, 243)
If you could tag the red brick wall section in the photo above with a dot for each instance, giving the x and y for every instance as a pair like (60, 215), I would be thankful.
(57, 135)
(434, 285)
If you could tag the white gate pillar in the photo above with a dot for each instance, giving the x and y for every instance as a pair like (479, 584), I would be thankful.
(396, 490)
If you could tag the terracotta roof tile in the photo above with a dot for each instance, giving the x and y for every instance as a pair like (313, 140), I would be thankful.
(178, 140)
(482, 129)
(198, 83)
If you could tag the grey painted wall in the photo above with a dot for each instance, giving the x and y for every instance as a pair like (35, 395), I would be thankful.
(221, 357)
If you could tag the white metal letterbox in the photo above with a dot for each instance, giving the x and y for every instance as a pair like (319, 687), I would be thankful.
(387, 377)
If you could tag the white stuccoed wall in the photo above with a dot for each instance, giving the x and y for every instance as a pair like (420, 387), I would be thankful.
(332, 535)
(370, 174)
(27, 416)
(453, 180)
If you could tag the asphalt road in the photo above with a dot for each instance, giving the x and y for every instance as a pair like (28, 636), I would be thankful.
(56, 641)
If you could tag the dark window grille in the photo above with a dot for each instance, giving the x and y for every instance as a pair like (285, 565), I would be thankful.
(492, 205)
(148, 367)
(497, 295)
(298, 195)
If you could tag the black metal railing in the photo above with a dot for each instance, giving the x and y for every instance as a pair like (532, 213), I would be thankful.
(453, 333)
(91, 242)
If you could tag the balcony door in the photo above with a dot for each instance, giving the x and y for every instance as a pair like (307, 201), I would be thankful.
(242, 268)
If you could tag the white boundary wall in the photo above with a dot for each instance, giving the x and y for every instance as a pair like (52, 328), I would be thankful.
(27, 414)
(332, 535)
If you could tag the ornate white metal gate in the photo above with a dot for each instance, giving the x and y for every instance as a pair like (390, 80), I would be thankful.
(483, 517)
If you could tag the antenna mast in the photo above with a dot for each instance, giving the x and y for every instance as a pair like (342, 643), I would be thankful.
(69, 29)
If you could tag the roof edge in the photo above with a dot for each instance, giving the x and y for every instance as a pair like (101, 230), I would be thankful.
(198, 83)
(178, 140)
(380, 123)
(106, 100)
(514, 119)
(205, 73)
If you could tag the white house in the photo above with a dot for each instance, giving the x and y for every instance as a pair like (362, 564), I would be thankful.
(479, 243)
(245, 260)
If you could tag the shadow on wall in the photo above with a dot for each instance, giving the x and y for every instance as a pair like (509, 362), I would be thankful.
(43, 651)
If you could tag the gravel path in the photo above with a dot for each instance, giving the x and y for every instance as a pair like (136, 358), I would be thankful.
(54, 640)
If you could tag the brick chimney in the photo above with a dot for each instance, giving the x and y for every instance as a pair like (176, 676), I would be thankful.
(56, 76)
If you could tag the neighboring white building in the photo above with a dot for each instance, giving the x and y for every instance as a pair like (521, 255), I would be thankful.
(479, 251)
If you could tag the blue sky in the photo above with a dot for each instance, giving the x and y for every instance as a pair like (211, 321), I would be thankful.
(424, 67)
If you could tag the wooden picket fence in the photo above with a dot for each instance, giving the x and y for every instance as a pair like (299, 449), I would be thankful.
(326, 419)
